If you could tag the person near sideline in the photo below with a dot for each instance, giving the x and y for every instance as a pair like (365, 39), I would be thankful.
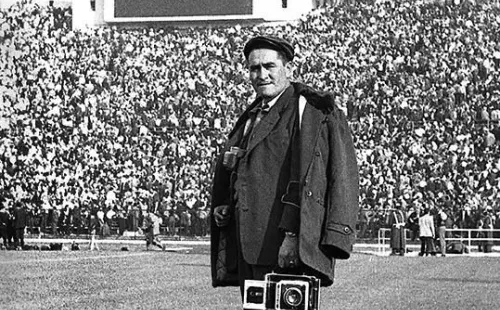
(427, 233)
(441, 226)
(485, 225)
(19, 219)
(151, 229)
(397, 222)
(5, 219)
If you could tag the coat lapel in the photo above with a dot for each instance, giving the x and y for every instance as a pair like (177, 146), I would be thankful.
(236, 133)
(267, 124)
(240, 123)
(235, 137)
(263, 129)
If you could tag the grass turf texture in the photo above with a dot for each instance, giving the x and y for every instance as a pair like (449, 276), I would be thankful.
(112, 279)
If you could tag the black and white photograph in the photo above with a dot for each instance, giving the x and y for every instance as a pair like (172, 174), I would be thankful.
(250, 154)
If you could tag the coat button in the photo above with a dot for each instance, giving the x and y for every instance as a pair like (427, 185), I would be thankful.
(309, 193)
(347, 230)
(317, 153)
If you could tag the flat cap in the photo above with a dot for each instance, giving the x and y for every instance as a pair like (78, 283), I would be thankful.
(272, 43)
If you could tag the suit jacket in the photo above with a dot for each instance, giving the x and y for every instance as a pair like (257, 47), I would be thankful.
(328, 191)
(263, 175)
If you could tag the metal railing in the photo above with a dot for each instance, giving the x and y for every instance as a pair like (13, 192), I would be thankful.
(469, 236)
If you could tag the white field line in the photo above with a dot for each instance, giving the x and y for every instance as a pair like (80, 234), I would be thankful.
(65, 259)
(170, 242)
(116, 241)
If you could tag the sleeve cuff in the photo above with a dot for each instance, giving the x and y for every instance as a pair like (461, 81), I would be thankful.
(337, 241)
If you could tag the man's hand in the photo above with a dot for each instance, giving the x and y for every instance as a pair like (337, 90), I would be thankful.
(288, 256)
(221, 215)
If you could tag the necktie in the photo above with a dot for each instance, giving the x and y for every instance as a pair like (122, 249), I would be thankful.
(256, 116)
(261, 112)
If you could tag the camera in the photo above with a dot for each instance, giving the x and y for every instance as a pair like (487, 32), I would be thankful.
(231, 157)
(282, 292)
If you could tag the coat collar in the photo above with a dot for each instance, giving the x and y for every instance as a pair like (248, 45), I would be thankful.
(323, 101)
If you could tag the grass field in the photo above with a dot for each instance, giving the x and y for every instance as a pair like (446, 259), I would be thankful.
(113, 279)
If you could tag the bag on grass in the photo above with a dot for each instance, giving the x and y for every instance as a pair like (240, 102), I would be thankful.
(456, 248)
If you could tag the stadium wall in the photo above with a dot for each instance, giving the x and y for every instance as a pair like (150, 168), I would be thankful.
(87, 13)
(91, 13)
(130, 11)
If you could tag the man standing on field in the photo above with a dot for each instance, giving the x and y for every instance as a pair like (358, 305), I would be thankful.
(285, 190)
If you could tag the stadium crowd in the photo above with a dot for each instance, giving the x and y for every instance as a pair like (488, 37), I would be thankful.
(101, 125)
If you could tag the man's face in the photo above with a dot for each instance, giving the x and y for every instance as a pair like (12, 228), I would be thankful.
(269, 72)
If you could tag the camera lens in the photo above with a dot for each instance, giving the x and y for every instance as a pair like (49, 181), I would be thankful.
(292, 297)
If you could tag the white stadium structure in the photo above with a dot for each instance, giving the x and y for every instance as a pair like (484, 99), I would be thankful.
(90, 13)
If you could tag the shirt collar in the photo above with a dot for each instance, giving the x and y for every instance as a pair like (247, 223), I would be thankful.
(273, 101)
(269, 104)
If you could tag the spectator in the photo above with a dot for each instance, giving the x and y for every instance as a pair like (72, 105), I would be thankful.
(363, 221)
(19, 219)
(55, 221)
(100, 221)
(122, 221)
(397, 223)
(485, 225)
(151, 229)
(412, 224)
(186, 222)
(134, 218)
(173, 219)
(441, 219)
(5, 218)
(427, 233)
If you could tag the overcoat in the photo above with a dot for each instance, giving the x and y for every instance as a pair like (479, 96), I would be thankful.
(328, 190)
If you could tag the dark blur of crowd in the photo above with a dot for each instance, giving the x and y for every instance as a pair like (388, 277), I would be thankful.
(99, 126)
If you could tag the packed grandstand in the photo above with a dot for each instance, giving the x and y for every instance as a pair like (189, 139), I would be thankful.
(132, 119)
